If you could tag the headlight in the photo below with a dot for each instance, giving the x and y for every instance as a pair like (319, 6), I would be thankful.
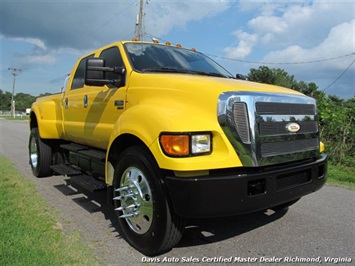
(186, 144)
(200, 143)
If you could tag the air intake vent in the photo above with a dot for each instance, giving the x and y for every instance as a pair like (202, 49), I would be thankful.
(289, 147)
(241, 120)
(263, 108)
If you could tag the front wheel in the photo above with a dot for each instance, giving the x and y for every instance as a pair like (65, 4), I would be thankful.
(40, 153)
(146, 217)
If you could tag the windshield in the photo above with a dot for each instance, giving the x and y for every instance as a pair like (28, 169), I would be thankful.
(162, 58)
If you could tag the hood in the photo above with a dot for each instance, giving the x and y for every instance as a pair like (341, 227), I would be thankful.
(189, 102)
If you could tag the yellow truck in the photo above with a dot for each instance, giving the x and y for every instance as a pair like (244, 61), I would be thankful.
(170, 135)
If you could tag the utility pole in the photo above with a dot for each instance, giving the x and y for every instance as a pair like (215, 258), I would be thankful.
(140, 21)
(14, 73)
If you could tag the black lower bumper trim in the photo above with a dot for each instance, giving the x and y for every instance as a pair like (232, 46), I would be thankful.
(232, 194)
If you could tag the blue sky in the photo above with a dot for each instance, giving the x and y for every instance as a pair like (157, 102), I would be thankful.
(313, 40)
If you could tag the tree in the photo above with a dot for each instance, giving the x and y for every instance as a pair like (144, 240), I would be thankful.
(22, 101)
(263, 75)
(5, 101)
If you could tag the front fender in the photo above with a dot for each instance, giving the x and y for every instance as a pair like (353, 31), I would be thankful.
(146, 122)
(143, 121)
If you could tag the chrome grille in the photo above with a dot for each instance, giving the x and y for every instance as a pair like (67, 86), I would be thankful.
(287, 147)
(258, 126)
(279, 128)
(241, 120)
(284, 108)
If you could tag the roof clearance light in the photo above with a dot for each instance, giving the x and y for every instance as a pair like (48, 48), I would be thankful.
(168, 43)
(134, 39)
(155, 41)
(193, 49)
(179, 45)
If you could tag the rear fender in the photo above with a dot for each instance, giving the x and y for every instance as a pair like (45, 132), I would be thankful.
(48, 117)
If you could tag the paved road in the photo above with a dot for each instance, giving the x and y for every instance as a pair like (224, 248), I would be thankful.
(319, 225)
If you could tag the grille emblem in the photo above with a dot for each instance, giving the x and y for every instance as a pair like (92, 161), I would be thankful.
(293, 127)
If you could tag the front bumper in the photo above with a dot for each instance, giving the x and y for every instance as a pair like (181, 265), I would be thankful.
(236, 192)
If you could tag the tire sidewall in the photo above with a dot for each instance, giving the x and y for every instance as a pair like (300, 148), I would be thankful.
(34, 136)
(44, 155)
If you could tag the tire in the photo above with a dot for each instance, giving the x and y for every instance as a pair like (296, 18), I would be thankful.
(149, 223)
(40, 153)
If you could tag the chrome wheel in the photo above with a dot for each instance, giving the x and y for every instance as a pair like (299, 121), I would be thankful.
(136, 202)
(146, 218)
(33, 152)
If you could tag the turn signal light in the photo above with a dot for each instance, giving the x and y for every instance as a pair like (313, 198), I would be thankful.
(175, 145)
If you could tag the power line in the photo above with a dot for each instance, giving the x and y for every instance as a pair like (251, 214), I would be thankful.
(339, 76)
(116, 15)
(283, 63)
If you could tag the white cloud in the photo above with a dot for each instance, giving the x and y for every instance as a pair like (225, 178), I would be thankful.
(340, 41)
(244, 47)
(161, 17)
(35, 41)
(279, 24)
(270, 24)
(27, 61)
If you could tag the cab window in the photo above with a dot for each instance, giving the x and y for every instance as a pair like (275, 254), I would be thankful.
(79, 77)
(113, 58)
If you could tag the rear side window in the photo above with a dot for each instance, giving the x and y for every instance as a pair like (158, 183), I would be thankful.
(79, 77)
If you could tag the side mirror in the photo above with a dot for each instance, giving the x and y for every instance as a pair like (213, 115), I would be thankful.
(94, 73)
(240, 76)
(96, 70)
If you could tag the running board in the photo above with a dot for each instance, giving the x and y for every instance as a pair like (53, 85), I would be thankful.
(64, 169)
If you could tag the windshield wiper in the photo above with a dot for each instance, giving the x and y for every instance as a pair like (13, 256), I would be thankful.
(164, 69)
(181, 70)
(211, 74)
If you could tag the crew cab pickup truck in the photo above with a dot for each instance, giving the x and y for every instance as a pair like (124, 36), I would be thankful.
(170, 135)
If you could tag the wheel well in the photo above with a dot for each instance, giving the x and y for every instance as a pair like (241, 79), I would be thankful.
(33, 120)
(120, 144)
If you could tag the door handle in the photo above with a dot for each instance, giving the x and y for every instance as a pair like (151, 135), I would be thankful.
(85, 101)
(66, 103)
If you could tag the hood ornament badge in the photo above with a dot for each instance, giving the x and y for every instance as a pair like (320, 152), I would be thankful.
(293, 127)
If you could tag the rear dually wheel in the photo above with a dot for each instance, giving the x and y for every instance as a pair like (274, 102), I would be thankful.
(40, 153)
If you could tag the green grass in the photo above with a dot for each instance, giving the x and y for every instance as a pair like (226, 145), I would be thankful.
(29, 232)
(341, 176)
